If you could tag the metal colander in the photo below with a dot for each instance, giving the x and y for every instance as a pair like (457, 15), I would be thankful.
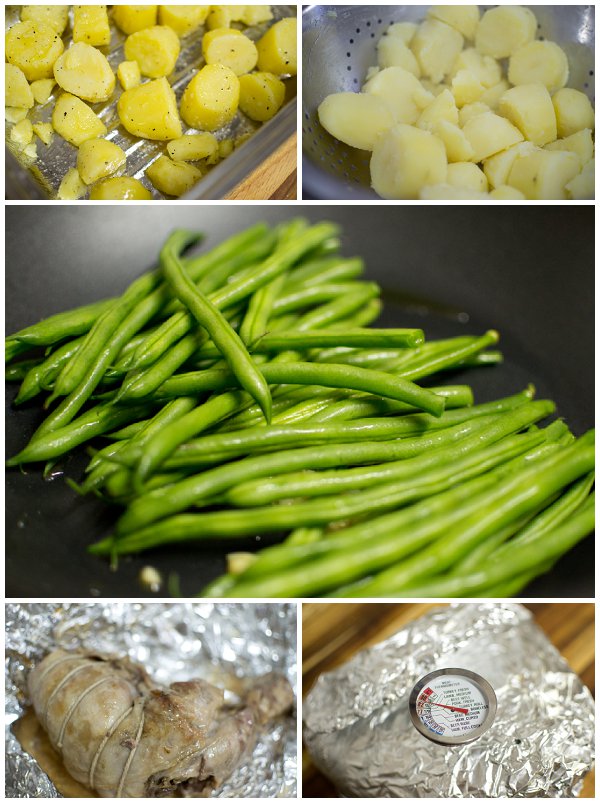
(339, 45)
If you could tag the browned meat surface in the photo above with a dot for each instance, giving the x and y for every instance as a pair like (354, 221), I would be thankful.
(123, 736)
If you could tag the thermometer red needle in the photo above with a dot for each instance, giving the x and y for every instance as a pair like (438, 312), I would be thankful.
(451, 707)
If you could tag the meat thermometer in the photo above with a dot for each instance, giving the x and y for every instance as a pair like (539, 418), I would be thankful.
(452, 706)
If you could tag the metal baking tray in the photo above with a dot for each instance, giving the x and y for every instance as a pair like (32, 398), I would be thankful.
(40, 180)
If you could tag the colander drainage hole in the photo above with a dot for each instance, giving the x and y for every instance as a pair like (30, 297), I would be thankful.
(352, 41)
(591, 72)
(349, 68)
(368, 24)
(355, 81)
(307, 115)
(358, 30)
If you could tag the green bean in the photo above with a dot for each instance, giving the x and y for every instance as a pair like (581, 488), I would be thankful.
(302, 297)
(405, 338)
(14, 348)
(254, 493)
(65, 324)
(511, 498)
(214, 322)
(125, 433)
(20, 370)
(338, 308)
(60, 441)
(259, 309)
(323, 271)
(524, 559)
(42, 375)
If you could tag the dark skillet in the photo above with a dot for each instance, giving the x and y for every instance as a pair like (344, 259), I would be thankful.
(525, 270)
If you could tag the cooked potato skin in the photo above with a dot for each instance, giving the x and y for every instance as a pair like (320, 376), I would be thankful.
(150, 111)
(98, 158)
(33, 47)
(122, 188)
(131, 19)
(75, 121)
(84, 71)
(277, 48)
(261, 95)
(211, 98)
(155, 49)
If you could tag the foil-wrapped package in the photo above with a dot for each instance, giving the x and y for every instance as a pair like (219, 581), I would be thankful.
(218, 642)
(358, 729)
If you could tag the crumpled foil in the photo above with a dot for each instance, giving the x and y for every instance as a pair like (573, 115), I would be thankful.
(174, 642)
(358, 730)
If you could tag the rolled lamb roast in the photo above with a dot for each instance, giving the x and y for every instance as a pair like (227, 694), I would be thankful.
(122, 735)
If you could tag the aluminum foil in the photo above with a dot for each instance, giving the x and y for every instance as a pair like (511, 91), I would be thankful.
(174, 642)
(358, 730)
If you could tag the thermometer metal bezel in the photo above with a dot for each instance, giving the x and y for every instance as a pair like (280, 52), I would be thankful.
(473, 735)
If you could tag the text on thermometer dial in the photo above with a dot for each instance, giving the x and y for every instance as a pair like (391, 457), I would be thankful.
(452, 706)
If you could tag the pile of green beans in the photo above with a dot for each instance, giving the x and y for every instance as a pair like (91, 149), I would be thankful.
(244, 392)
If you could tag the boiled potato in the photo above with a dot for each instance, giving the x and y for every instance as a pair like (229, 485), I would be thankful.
(436, 46)
(356, 119)
(471, 110)
(13, 114)
(90, 25)
(211, 99)
(582, 187)
(33, 47)
(131, 19)
(573, 111)
(75, 121)
(529, 107)
(458, 147)
(231, 48)
(486, 69)
(22, 133)
(539, 63)
(71, 187)
(497, 168)
(504, 29)
(442, 108)
(491, 97)
(42, 89)
(226, 147)
(173, 178)
(122, 188)
(44, 131)
(261, 95)
(466, 88)
(489, 133)
(405, 160)
(543, 175)
(467, 175)
(192, 147)
(463, 18)
(183, 19)
(254, 15)
(84, 71)
(56, 17)
(402, 93)
(448, 192)
(223, 16)
(506, 193)
(155, 49)
(98, 158)
(17, 91)
(392, 52)
(403, 30)
(129, 75)
(150, 110)
(580, 143)
(277, 48)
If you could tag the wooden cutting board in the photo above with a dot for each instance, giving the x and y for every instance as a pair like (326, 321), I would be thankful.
(274, 179)
(333, 632)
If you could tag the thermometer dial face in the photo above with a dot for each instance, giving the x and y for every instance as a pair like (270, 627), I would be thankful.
(452, 706)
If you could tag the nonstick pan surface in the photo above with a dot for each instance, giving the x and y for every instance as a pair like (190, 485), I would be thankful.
(526, 271)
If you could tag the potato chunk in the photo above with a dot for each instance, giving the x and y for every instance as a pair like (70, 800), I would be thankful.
(17, 91)
(277, 48)
(155, 49)
(573, 111)
(491, 97)
(42, 89)
(71, 187)
(486, 69)
(539, 63)
(98, 158)
(403, 30)
(448, 192)
(44, 131)
(131, 19)
(84, 71)
(506, 193)
(497, 168)
(56, 17)
(173, 178)
(150, 110)
(580, 143)
(458, 147)
(261, 95)
(464, 19)
(14, 114)
(75, 121)
(33, 47)
(183, 19)
(442, 108)
(405, 160)
(230, 47)
(356, 119)
(22, 133)
(129, 75)
(254, 15)
(122, 188)
(582, 187)
(488, 134)
(90, 25)
(543, 175)
(436, 46)
(504, 29)
(192, 147)
(211, 98)
(402, 93)
(466, 88)
(392, 52)
(471, 110)
(467, 175)
(530, 108)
